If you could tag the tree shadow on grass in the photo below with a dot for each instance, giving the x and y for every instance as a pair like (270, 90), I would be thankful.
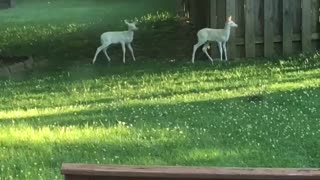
(30, 157)
(74, 40)
(222, 133)
(103, 112)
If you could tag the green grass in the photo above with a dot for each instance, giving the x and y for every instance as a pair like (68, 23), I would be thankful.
(38, 28)
(160, 110)
(161, 113)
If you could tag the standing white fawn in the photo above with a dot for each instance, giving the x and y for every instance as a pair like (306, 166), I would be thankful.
(119, 37)
(221, 36)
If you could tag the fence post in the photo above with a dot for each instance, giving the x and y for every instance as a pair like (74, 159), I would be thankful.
(268, 28)
(249, 27)
(12, 3)
(287, 26)
(231, 11)
(213, 23)
(179, 8)
(306, 25)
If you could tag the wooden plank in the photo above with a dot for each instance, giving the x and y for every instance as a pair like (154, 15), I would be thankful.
(268, 28)
(316, 5)
(193, 11)
(287, 27)
(306, 25)
(218, 22)
(131, 172)
(296, 8)
(259, 17)
(240, 31)
(314, 15)
(213, 13)
(231, 11)
(277, 17)
(221, 13)
(259, 25)
(12, 3)
(278, 39)
(78, 177)
(179, 8)
(213, 24)
(249, 26)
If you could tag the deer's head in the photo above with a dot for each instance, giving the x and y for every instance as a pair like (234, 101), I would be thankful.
(230, 22)
(132, 26)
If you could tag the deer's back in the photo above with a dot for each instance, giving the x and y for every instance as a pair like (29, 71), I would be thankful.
(116, 37)
(208, 34)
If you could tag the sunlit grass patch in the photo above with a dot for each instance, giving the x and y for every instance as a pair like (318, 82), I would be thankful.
(155, 111)
(257, 114)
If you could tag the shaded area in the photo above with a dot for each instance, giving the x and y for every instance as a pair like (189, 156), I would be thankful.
(71, 31)
(280, 131)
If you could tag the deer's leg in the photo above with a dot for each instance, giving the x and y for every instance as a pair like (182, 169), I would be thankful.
(225, 50)
(131, 50)
(124, 52)
(205, 50)
(220, 49)
(99, 49)
(105, 52)
(195, 47)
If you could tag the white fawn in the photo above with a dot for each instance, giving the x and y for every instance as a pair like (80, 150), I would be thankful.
(221, 36)
(118, 37)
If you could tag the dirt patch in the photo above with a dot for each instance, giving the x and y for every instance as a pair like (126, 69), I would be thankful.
(10, 60)
(14, 65)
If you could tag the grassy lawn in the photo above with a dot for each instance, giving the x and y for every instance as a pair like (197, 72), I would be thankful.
(156, 111)
(65, 31)
(159, 113)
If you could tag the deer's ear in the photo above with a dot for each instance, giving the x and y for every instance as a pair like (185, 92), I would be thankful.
(135, 21)
(125, 21)
(230, 18)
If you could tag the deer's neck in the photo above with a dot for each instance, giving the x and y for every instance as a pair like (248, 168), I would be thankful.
(227, 30)
(130, 32)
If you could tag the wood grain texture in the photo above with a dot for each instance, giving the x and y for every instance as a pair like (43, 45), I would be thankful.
(231, 11)
(287, 27)
(250, 30)
(268, 28)
(131, 172)
(306, 25)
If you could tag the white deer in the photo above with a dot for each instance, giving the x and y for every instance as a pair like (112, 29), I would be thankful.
(118, 37)
(221, 36)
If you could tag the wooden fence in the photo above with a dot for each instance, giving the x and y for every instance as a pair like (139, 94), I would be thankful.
(266, 27)
(89, 172)
(7, 3)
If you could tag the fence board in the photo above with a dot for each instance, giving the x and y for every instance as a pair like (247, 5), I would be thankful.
(259, 25)
(94, 172)
(221, 13)
(213, 14)
(268, 28)
(231, 11)
(306, 25)
(277, 17)
(297, 11)
(259, 17)
(317, 6)
(315, 26)
(213, 24)
(249, 25)
(287, 27)
(240, 31)
(315, 15)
